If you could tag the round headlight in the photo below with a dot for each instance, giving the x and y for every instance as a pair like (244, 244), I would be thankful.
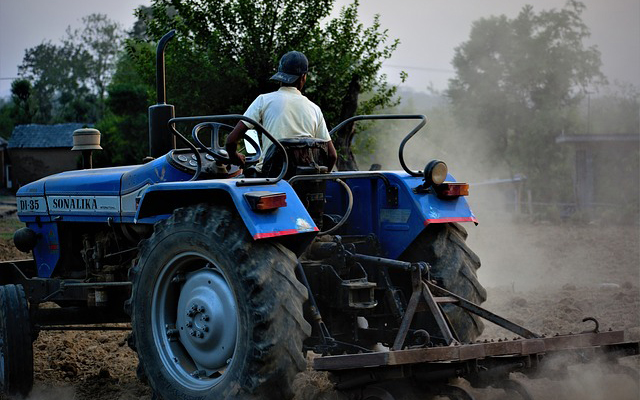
(435, 172)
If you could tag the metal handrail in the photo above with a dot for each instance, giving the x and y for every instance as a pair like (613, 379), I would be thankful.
(423, 122)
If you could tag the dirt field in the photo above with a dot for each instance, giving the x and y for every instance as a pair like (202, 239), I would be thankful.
(545, 277)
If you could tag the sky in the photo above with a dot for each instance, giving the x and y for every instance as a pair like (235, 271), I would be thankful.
(429, 31)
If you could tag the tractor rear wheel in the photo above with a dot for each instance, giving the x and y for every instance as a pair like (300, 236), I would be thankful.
(454, 266)
(215, 314)
(16, 351)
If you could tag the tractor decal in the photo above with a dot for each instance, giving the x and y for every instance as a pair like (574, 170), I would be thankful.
(83, 204)
(31, 205)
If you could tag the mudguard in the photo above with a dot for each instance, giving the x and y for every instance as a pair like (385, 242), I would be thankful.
(159, 201)
(398, 222)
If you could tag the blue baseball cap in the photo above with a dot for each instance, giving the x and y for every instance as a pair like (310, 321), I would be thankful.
(292, 65)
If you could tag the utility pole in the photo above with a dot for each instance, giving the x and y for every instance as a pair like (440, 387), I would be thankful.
(588, 111)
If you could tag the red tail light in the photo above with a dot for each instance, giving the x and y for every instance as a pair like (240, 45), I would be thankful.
(452, 189)
(264, 201)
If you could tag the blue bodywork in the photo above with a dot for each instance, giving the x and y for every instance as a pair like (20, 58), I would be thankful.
(396, 226)
(148, 193)
(126, 194)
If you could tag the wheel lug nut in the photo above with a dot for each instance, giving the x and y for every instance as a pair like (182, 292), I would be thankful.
(189, 324)
(200, 309)
(205, 317)
(205, 328)
(192, 333)
(200, 335)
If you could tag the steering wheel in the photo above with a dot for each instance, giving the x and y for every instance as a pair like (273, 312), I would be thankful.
(218, 152)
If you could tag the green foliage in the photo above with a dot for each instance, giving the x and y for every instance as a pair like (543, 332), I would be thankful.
(21, 109)
(125, 125)
(614, 111)
(519, 82)
(99, 41)
(345, 53)
(124, 139)
(6, 120)
(70, 78)
(347, 60)
(225, 51)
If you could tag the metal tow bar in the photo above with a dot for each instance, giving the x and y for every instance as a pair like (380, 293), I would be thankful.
(483, 364)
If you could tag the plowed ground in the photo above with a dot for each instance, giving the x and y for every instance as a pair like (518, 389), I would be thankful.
(545, 277)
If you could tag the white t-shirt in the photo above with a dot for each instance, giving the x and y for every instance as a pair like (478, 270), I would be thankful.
(286, 113)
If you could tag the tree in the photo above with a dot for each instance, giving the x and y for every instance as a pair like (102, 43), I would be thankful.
(349, 58)
(18, 110)
(100, 42)
(48, 66)
(70, 79)
(613, 111)
(6, 120)
(125, 124)
(139, 29)
(21, 90)
(519, 81)
(225, 52)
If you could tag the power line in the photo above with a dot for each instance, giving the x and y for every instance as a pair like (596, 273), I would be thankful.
(441, 70)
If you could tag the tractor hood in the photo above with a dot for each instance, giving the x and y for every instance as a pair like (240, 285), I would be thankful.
(89, 182)
(91, 192)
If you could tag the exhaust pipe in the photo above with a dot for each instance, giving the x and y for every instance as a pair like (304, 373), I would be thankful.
(161, 140)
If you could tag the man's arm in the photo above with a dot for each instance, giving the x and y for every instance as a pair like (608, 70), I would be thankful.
(232, 143)
(333, 155)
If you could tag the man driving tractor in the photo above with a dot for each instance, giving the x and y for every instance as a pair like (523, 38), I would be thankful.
(285, 113)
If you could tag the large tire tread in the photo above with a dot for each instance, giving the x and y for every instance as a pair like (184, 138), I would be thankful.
(273, 294)
(17, 345)
(455, 266)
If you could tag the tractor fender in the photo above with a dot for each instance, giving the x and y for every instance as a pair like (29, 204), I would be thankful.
(396, 214)
(159, 201)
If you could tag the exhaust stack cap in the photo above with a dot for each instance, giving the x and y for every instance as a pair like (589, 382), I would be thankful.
(86, 139)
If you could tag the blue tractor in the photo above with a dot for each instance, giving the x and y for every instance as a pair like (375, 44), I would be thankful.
(227, 281)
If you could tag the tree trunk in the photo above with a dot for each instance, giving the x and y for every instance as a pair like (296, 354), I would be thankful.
(344, 137)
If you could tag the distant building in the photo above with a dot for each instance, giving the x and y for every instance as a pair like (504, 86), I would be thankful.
(607, 170)
(36, 151)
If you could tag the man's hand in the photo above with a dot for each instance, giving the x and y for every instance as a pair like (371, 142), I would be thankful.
(232, 144)
(237, 159)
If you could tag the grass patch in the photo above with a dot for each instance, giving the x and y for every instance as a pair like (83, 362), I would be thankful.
(8, 225)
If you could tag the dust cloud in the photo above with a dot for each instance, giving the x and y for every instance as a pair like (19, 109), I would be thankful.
(542, 275)
(595, 381)
(545, 274)
(42, 392)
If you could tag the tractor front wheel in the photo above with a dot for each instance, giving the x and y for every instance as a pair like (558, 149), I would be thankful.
(16, 350)
(216, 315)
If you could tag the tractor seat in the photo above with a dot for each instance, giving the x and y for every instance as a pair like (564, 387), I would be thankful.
(307, 156)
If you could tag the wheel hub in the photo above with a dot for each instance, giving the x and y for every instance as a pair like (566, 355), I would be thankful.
(207, 319)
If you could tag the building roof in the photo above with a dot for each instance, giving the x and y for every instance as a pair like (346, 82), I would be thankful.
(3, 142)
(599, 138)
(43, 136)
